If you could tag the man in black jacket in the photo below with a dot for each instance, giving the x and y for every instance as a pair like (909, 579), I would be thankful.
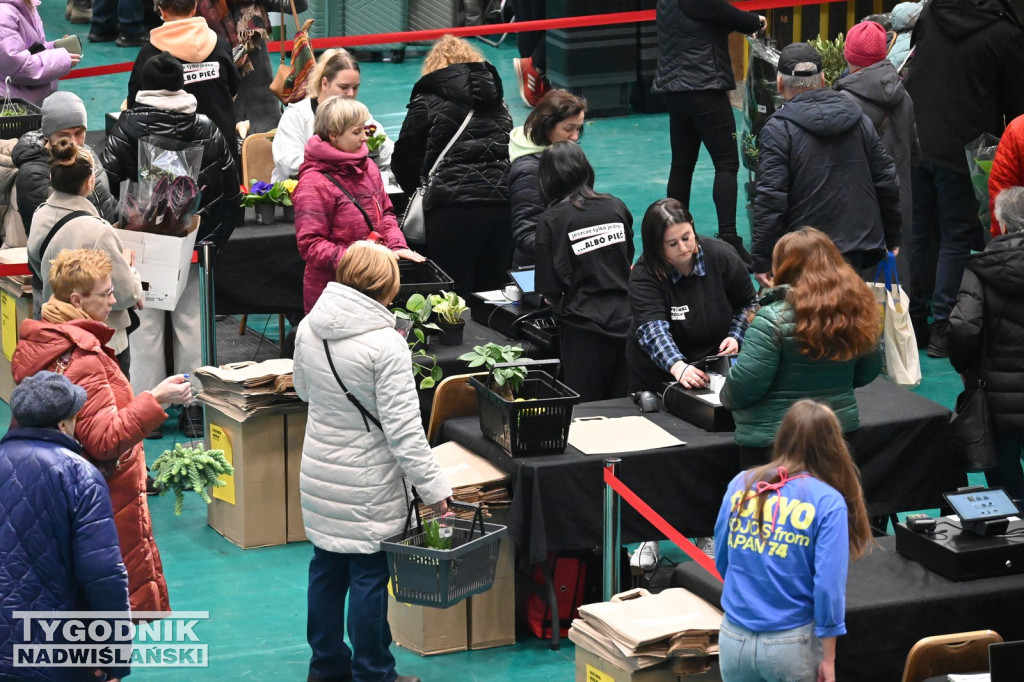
(965, 80)
(822, 165)
(163, 109)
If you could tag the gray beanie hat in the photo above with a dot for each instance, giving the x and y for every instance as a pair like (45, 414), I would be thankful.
(45, 398)
(63, 110)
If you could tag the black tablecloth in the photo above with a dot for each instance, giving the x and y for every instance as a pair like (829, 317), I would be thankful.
(259, 270)
(902, 449)
(891, 602)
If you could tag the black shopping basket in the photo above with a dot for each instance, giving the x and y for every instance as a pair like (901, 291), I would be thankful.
(538, 422)
(441, 577)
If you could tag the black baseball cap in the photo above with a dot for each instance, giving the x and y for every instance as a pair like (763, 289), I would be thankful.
(799, 53)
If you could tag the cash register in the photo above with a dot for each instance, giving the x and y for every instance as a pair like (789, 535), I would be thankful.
(518, 311)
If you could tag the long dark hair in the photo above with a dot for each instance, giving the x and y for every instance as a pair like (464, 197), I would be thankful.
(565, 172)
(810, 439)
(659, 216)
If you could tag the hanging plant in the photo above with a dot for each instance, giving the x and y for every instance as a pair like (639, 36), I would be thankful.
(189, 468)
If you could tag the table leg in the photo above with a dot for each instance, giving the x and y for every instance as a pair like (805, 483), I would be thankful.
(556, 626)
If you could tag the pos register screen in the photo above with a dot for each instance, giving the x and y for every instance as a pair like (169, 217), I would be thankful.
(982, 505)
(524, 280)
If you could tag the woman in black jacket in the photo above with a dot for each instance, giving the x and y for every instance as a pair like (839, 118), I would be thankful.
(695, 76)
(986, 333)
(469, 234)
(163, 109)
(584, 250)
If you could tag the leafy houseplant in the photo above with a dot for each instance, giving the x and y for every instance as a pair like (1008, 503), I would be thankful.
(187, 468)
(438, 534)
(507, 380)
(413, 318)
(374, 140)
(832, 60)
(264, 196)
(417, 310)
(449, 307)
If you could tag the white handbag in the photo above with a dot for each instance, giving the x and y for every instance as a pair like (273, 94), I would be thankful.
(414, 222)
(902, 365)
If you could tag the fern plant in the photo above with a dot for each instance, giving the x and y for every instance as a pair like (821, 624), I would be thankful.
(189, 468)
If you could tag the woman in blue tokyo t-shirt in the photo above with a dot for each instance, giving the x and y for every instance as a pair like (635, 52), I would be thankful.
(783, 539)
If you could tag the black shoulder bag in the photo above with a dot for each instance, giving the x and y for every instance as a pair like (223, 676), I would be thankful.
(351, 398)
(37, 281)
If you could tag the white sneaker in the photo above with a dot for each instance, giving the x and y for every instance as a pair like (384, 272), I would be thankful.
(645, 558)
(707, 545)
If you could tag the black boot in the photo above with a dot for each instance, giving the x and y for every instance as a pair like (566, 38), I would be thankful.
(938, 343)
(736, 242)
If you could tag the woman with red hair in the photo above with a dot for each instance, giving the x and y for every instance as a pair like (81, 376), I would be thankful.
(815, 336)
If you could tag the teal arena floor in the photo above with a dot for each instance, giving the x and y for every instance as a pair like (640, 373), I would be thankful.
(257, 598)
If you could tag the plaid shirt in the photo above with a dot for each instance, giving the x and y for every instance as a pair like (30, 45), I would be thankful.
(656, 339)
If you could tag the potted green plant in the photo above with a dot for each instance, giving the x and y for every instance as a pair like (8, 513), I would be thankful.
(189, 468)
(833, 61)
(449, 307)
(506, 380)
(417, 310)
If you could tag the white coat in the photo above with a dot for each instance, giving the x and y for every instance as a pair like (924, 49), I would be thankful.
(350, 481)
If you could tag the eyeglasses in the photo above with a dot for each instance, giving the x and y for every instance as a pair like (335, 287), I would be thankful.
(102, 294)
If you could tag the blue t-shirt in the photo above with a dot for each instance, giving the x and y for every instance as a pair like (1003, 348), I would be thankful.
(791, 573)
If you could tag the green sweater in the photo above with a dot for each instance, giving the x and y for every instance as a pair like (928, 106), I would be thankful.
(771, 374)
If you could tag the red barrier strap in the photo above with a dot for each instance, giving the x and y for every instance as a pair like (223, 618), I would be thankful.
(659, 522)
(11, 269)
(470, 31)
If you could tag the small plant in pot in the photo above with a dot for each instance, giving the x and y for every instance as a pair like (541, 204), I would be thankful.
(418, 311)
(189, 468)
(507, 380)
(449, 307)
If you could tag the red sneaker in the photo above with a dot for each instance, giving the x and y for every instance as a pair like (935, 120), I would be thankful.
(532, 84)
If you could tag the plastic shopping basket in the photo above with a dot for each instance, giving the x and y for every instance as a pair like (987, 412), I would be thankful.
(442, 577)
(536, 424)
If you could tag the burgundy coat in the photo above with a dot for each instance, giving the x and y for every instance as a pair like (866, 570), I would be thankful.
(111, 426)
(327, 222)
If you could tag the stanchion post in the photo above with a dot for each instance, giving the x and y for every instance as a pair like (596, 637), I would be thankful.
(612, 544)
(207, 314)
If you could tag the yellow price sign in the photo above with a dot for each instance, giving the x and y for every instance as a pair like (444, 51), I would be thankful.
(8, 324)
(595, 675)
(220, 441)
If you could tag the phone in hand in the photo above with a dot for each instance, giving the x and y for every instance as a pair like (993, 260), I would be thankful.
(71, 43)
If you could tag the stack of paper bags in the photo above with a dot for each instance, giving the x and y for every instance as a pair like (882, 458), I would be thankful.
(246, 390)
(17, 256)
(638, 630)
(472, 479)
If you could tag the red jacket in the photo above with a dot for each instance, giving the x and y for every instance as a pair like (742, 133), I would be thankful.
(1007, 168)
(111, 425)
(326, 221)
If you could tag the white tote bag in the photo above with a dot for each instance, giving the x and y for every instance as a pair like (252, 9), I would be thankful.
(901, 363)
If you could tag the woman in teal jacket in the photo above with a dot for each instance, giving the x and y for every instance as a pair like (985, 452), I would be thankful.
(815, 336)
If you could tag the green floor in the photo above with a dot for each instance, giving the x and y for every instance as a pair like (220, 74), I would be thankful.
(256, 598)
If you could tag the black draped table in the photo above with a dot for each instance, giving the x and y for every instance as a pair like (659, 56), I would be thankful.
(891, 602)
(902, 449)
(259, 271)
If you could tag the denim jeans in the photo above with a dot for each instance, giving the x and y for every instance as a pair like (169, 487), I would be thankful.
(364, 578)
(784, 656)
(944, 204)
(1007, 472)
(704, 116)
(111, 16)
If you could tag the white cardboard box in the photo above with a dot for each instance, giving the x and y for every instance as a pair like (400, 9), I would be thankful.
(162, 262)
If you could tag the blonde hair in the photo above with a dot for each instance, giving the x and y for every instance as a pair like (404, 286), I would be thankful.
(330, 64)
(450, 50)
(337, 115)
(370, 269)
(78, 271)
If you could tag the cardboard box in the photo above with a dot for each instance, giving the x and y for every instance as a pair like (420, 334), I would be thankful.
(425, 630)
(15, 308)
(492, 614)
(592, 668)
(294, 433)
(162, 262)
(251, 510)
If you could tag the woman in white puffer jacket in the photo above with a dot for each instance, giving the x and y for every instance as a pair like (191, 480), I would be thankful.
(358, 448)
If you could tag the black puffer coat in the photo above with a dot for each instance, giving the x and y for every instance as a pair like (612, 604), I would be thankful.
(693, 42)
(32, 159)
(476, 167)
(991, 308)
(221, 195)
(879, 91)
(821, 164)
(965, 77)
